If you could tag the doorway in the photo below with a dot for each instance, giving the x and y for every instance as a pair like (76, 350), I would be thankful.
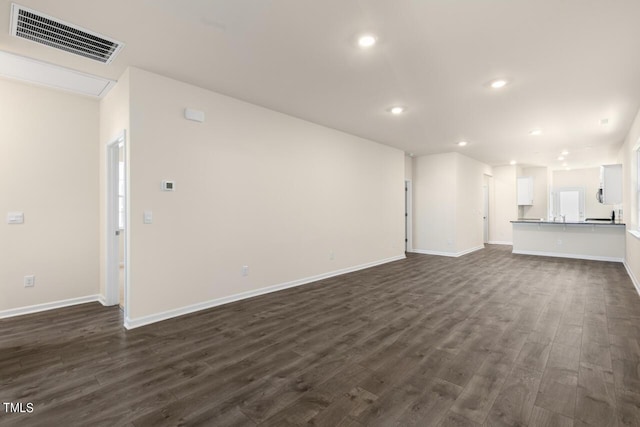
(116, 224)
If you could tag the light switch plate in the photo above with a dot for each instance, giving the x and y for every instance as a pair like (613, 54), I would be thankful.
(29, 281)
(15, 218)
(147, 217)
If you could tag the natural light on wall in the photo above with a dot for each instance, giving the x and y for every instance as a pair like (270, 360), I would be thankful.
(45, 74)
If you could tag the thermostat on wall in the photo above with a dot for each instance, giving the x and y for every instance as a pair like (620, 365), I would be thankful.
(168, 185)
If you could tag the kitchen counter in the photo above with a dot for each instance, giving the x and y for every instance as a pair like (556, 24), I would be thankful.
(591, 222)
(594, 240)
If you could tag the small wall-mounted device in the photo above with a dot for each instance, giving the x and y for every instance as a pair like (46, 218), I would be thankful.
(195, 115)
(168, 186)
(147, 217)
(15, 218)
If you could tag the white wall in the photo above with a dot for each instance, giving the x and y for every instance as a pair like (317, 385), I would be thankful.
(48, 160)
(434, 203)
(540, 207)
(448, 204)
(253, 187)
(408, 168)
(114, 119)
(630, 166)
(589, 179)
(505, 208)
(470, 203)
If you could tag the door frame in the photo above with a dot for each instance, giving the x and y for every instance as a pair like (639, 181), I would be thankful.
(112, 262)
(408, 216)
(486, 208)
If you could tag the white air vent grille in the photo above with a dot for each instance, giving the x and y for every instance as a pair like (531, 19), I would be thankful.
(40, 28)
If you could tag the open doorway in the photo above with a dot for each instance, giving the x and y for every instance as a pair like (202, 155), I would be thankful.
(116, 232)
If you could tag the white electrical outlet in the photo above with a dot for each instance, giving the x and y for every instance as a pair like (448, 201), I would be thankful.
(245, 270)
(29, 281)
(332, 255)
(559, 242)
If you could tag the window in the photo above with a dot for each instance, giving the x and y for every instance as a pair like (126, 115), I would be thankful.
(568, 202)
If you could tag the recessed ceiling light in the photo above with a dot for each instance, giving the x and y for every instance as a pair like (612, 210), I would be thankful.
(567, 169)
(462, 143)
(536, 132)
(397, 110)
(604, 122)
(498, 83)
(564, 152)
(512, 162)
(561, 158)
(367, 40)
(564, 164)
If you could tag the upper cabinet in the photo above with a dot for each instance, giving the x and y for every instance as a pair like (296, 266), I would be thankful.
(525, 191)
(610, 192)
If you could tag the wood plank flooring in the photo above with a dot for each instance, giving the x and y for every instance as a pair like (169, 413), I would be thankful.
(487, 339)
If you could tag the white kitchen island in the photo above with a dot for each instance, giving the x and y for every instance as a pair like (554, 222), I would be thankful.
(602, 241)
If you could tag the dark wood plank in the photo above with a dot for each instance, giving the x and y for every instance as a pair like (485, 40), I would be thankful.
(557, 392)
(515, 402)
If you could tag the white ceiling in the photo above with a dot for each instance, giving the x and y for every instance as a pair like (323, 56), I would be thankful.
(570, 63)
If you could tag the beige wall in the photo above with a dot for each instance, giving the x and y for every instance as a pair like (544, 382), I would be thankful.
(253, 187)
(504, 204)
(628, 159)
(48, 160)
(589, 179)
(448, 203)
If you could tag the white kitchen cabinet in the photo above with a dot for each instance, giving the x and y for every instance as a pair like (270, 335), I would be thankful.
(611, 184)
(525, 191)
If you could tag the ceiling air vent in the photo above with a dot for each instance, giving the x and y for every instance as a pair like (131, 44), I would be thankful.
(40, 28)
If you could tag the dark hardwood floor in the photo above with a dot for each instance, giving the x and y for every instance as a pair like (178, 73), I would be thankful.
(489, 338)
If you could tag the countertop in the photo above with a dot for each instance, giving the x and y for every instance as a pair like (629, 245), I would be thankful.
(538, 221)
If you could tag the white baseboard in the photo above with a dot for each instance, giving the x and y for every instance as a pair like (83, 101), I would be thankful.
(48, 306)
(634, 280)
(153, 318)
(449, 254)
(499, 242)
(572, 256)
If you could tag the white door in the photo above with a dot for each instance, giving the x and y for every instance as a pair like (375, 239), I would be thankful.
(486, 212)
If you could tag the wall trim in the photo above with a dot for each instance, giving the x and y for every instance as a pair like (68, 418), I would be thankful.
(634, 280)
(449, 254)
(499, 242)
(49, 306)
(572, 256)
(169, 314)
